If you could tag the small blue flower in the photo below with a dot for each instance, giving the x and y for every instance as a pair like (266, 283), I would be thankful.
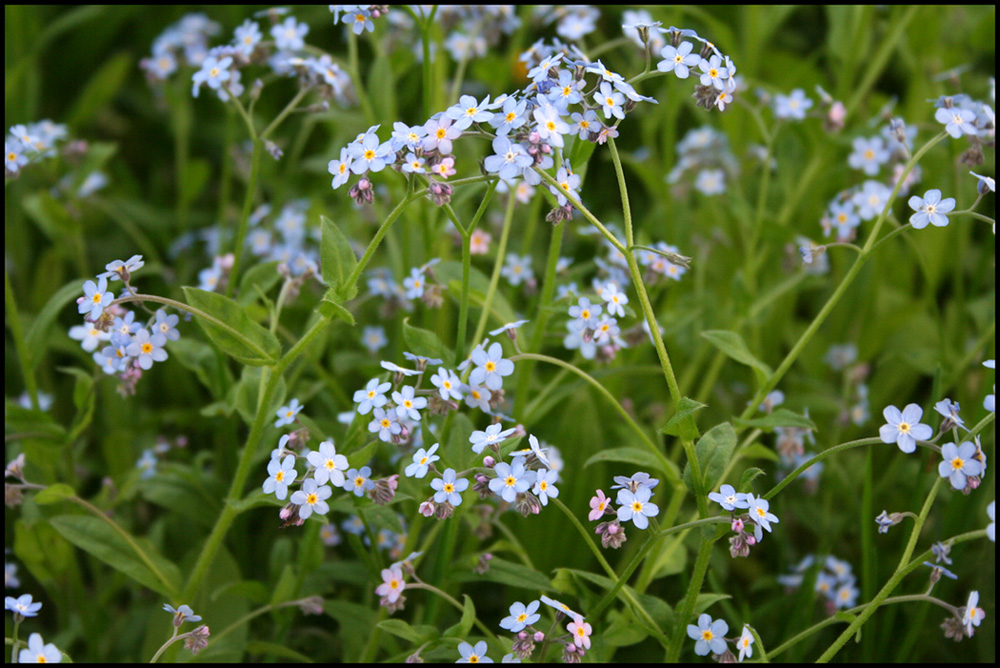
(287, 414)
(521, 616)
(545, 487)
(635, 506)
(288, 36)
(422, 459)
(509, 159)
(759, 512)
(448, 384)
(22, 605)
(957, 122)
(358, 481)
(930, 209)
(729, 498)
(611, 101)
(868, 155)
(408, 405)
(167, 325)
(491, 367)
(941, 570)
(472, 654)
(709, 635)
(904, 428)
(147, 349)
(328, 465)
(584, 314)
(511, 480)
(678, 60)
(385, 423)
(373, 338)
(214, 72)
(312, 498)
(182, 614)
(95, 298)
(959, 463)
(414, 284)
(282, 474)
(373, 396)
(449, 488)
(492, 436)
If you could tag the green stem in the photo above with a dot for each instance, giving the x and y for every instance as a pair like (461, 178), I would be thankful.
(687, 606)
(248, 198)
(23, 354)
(640, 288)
(352, 65)
(289, 108)
(195, 312)
(229, 513)
(640, 555)
(629, 598)
(866, 253)
(497, 266)
(377, 239)
(902, 570)
(667, 466)
(542, 319)
(461, 608)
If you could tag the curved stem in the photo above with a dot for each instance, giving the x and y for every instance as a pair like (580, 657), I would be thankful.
(866, 253)
(461, 608)
(901, 571)
(668, 467)
(640, 612)
(495, 277)
(248, 198)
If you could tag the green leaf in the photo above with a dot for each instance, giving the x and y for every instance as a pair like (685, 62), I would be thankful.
(102, 87)
(42, 325)
(329, 308)
(623, 630)
(100, 540)
(638, 456)
(759, 451)
(462, 628)
(713, 450)
(233, 331)
(54, 494)
(748, 477)
(780, 417)
(52, 218)
(511, 574)
(247, 391)
(32, 423)
(449, 274)
(261, 277)
(733, 345)
(424, 343)
(417, 635)
(337, 260)
(676, 425)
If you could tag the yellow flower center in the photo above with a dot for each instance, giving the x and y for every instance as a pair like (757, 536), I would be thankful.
(359, 481)
(510, 481)
(147, 348)
(491, 367)
(311, 500)
(423, 460)
(441, 132)
(713, 73)
(869, 154)
(448, 488)
(707, 635)
(585, 313)
(957, 463)
(385, 423)
(279, 476)
(369, 154)
(636, 507)
(214, 72)
(97, 297)
(904, 428)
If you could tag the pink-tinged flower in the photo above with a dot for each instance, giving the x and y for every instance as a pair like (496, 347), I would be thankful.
(597, 506)
(580, 631)
(392, 584)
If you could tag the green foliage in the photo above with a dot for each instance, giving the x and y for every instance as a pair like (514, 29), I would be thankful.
(146, 490)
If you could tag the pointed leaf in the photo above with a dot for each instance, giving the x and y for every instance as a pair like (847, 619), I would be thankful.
(781, 417)
(337, 260)
(105, 543)
(425, 343)
(676, 425)
(714, 450)
(232, 330)
(733, 345)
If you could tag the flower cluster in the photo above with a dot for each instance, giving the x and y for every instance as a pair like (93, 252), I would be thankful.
(634, 494)
(705, 161)
(31, 141)
(758, 513)
(835, 580)
(132, 346)
(709, 636)
(521, 622)
(37, 651)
